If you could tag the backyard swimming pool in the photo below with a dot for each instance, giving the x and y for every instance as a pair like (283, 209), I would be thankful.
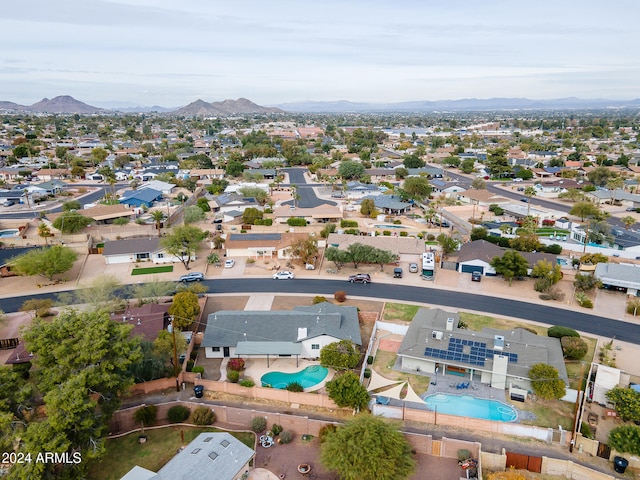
(389, 226)
(468, 406)
(8, 233)
(309, 377)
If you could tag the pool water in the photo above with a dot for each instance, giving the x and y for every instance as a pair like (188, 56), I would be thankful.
(389, 226)
(468, 406)
(8, 233)
(308, 377)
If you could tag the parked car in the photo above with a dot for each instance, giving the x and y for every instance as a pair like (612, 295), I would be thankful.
(397, 272)
(284, 275)
(524, 199)
(8, 203)
(413, 267)
(192, 277)
(632, 209)
(476, 276)
(229, 263)
(360, 278)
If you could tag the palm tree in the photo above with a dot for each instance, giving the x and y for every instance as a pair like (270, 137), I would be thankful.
(628, 221)
(158, 216)
(218, 242)
(529, 192)
(44, 231)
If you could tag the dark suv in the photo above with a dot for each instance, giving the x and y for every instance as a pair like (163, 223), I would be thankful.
(360, 278)
(192, 277)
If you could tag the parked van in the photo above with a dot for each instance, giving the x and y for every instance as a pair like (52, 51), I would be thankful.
(397, 272)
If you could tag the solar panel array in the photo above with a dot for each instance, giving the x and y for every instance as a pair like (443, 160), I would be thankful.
(478, 352)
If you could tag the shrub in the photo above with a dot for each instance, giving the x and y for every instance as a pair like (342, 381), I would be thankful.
(552, 293)
(542, 284)
(585, 430)
(203, 416)
(573, 348)
(296, 222)
(199, 369)
(403, 234)
(286, 436)
(463, 454)
(236, 364)
(370, 360)
(247, 382)
(625, 438)
(431, 237)
(367, 373)
(178, 413)
(558, 331)
(264, 221)
(190, 364)
(259, 424)
(276, 429)
(326, 430)
(348, 223)
(251, 260)
(386, 233)
(340, 296)
(583, 300)
(194, 354)
(397, 222)
(555, 249)
(233, 376)
(146, 415)
(633, 306)
(352, 231)
(295, 387)
(318, 299)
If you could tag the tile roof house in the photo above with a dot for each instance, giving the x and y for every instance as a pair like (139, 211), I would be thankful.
(499, 358)
(321, 214)
(301, 332)
(476, 256)
(261, 245)
(133, 250)
(410, 246)
(217, 455)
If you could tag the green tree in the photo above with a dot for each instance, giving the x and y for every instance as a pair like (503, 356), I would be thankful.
(584, 210)
(529, 192)
(71, 205)
(413, 161)
(359, 253)
(337, 256)
(44, 232)
(467, 166)
(234, 168)
(158, 217)
(15, 404)
(382, 257)
(41, 307)
(260, 194)
(479, 183)
(203, 204)
(183, 243)
(251, 214)
(340, 355)
(417, 188)
(350, 170)
(103, 291)
(599, 176)
(347, 391)
(498, 163)
(628, 221)
(184, 309)
(193, 214)
(572, 195)
(627, 402)
(510, 265)
(163, 346)
(367, 448)
(447, 243)
(546, 383)
(368, 208)
(585, 282)
(544, 269)
(151, 292)
(151, 365)
(121, 221)
(46, 262)
(82, 362)
(306, 249)
(625, 438)
(71, 222)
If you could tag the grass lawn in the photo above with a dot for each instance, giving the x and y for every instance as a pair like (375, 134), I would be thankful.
(577, 370)
(148, 270)
(162, 444)
(399, 311)
(551, 413)
(383, 364)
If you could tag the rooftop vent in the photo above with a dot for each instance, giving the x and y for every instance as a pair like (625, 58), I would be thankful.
(498, 342)
(436, 335)
(449, 324)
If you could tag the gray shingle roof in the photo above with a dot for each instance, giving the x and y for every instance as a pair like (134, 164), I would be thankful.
(131, 245)
(619, 275)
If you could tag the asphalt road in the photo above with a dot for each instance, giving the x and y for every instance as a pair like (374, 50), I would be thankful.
(601, 326)
(308, 198)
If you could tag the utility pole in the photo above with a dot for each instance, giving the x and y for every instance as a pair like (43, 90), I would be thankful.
(175, 352)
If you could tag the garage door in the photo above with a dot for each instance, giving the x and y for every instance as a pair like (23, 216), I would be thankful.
(472, 268)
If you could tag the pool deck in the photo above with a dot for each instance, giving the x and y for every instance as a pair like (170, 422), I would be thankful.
(257, 367)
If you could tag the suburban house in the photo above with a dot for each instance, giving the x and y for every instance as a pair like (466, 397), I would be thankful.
(301, 332)
(499, 358)
(476, 256)
(446, 188)
(359, 190)
(164, 187)
(52, 187)
(408, 249)
(261, 245)
(217, 455)
(324, 213)
(625, 278)
(481, 197)
(47, 174)
(133, 250)
(140, 198)
(228, 202)
(389, 204)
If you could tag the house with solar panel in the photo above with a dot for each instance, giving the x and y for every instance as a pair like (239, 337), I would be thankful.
(498, 358)
(298, 333)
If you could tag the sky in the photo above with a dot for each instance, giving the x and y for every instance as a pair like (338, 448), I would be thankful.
(171, 53)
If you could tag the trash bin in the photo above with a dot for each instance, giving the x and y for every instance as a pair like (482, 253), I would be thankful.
(620, 464)
(198, 391)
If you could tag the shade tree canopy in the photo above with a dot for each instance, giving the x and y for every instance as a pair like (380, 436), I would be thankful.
(46, 262)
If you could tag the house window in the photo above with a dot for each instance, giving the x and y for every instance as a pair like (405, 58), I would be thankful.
(160, 255)
(215, 349)
(315, 346)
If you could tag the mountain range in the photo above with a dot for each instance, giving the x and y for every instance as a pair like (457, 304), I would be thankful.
(66, 104)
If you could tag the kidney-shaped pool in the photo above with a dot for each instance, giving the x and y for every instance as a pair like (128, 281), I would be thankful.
(309, 377)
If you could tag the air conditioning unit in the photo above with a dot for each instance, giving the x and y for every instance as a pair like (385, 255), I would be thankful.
(436, 335)
(449, 324)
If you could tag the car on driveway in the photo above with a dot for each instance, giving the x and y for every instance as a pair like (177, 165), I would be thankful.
(360, 278)
(8, 203)
(413, 267)
(476, 276)
(229, 263)
(284, 275)
(192, 277)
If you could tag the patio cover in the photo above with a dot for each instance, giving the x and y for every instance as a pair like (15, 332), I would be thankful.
(268, 348)
(411, 395)
(378, 381)
(393, 392)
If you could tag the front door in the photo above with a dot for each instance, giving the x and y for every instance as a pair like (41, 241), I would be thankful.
(226, 351)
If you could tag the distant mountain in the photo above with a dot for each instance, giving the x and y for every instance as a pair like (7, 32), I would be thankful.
(468, 104)
(225, 108)
(138, 109)
(11, 106)
(62, 104)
